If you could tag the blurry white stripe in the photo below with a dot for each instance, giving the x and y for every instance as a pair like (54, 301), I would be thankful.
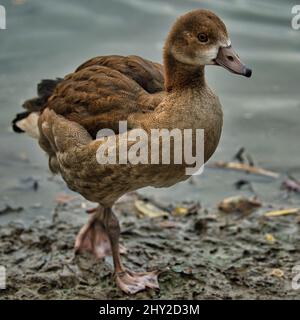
(2, 278)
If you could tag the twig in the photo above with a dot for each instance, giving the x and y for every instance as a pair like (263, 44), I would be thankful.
(244, 167)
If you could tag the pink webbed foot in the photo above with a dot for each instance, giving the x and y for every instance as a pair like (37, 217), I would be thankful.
(93, 238)
(133, 282)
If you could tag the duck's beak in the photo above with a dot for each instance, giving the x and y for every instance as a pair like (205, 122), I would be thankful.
(230, 60)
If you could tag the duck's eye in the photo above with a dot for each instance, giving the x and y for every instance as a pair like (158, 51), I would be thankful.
(203, 37)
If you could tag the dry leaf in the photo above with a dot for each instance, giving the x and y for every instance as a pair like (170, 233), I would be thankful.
(270, 238)
(278, 273)
(180, 211)
(291, 184)
(284, 212)
(147, 209)
(239, 204)
(63, 198)
(167, 224)
(245, 167)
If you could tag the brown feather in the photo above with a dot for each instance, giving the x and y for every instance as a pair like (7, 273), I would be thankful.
(105, 90)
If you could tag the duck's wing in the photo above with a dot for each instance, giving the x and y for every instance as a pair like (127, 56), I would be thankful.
(73, 154)
(107, 89)
(148, 74)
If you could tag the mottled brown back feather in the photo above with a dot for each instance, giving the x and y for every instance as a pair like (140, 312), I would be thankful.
(107, 89)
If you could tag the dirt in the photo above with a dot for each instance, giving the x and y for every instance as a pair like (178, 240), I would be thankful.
(205, 254)
(209, 254)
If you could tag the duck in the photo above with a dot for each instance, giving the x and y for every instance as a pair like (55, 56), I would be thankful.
(68, 113)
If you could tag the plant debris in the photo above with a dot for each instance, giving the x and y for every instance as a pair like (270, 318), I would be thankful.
(239, 204)
(187, 209)
(210, 256)
(270, 238)
(278, 273)
(244, 167)
(147, 209)
(168, 224)
(180, 211)
(283, 212)
(291, 184)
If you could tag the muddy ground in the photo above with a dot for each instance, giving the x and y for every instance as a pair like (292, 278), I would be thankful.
(209, 254)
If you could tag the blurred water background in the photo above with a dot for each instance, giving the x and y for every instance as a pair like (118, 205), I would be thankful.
(48, 39)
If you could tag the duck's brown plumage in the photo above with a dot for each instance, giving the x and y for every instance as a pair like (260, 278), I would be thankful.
(105, 90)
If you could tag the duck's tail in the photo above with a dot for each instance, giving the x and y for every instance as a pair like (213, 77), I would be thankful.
(27, 121)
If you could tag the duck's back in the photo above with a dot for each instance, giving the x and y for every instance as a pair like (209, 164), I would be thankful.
(99, 94)
(107, 89)
(148, 74)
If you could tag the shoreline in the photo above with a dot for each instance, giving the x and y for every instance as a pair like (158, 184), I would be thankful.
(206, 254)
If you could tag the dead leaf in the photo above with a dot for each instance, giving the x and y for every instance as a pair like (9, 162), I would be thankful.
(147, 209)
(291, 184)
(245, 167)
(239, 204)
(278, 273)
(63, 198)
(283, 212)
(180, 211)
(270, 238)
(167, 224)
(187, 208)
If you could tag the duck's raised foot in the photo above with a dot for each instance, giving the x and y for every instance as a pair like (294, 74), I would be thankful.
(93, 238)
(133, 282)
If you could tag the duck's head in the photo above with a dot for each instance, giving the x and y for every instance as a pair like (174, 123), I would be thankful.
(200, 38)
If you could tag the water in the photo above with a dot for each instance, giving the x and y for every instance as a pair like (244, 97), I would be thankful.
(48, 39)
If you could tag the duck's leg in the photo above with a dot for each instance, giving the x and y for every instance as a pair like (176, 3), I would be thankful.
(93, 236)
(129, 282)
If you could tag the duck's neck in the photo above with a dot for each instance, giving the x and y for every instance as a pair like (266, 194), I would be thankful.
(179, 75)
